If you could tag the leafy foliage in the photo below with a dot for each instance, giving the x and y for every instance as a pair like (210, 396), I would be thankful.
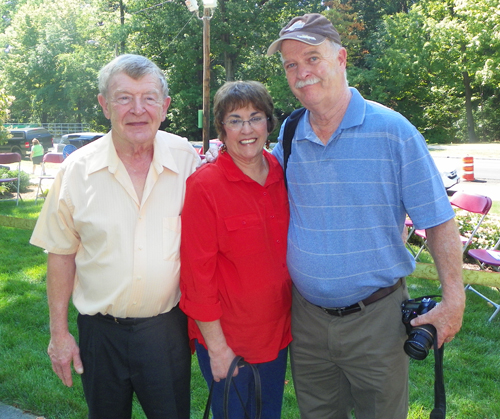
(24, 180)
(488, 233)
(435, 61)
(55, 51)
(5, 102)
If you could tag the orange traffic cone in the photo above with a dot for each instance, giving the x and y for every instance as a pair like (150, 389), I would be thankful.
(468, 168)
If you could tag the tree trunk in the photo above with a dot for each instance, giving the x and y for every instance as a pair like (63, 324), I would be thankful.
(468, 109)
(226, 39)
(122, 23)
(471, 138)
(229, 66)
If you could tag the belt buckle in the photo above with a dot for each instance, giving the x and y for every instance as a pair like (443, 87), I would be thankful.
(337, 311)
(342, 311)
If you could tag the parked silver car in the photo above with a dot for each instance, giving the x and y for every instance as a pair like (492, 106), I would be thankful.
(78, 139)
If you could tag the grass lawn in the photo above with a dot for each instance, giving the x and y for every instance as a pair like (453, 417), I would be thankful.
(495, 208)
(472, 360)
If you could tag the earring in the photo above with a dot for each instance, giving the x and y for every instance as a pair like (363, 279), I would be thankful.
(223, 148)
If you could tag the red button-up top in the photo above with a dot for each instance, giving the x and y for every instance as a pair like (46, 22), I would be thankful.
(233, 257)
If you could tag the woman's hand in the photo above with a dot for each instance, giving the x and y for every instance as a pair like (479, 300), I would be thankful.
(220, 363)
(221, 355)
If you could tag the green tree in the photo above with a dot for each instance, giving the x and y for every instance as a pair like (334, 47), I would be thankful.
(435, 63)
(56, 49)
(240, 34)
(5, 102)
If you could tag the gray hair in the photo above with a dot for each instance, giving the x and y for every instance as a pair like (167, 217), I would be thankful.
(134, 66)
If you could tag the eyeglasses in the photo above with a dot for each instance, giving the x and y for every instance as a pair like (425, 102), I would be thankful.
(126, 100)
(237, 124)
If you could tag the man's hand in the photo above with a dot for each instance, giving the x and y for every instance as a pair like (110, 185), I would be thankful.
(445, 317)
(446, 249)
(63, 351)
(212, 153)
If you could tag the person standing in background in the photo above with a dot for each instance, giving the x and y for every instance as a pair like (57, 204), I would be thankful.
(36, 156)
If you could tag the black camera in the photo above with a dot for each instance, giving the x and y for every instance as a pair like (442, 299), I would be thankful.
(420, 338)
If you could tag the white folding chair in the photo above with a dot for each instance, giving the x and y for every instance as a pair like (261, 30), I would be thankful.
(7, 158)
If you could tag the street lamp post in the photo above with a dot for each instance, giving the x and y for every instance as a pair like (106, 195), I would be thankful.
(208, 11)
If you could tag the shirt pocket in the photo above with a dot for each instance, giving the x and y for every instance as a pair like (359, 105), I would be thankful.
(171, 238)
(245, 235)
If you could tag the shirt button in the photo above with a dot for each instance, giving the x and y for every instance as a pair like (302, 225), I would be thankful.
(265, 194)
(139, 278)
(272, 216)
(278, 241)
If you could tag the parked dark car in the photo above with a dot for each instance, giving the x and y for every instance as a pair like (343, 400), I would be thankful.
(78, 139)
(21, 139)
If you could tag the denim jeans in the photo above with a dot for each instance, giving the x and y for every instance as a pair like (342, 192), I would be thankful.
(272, 376)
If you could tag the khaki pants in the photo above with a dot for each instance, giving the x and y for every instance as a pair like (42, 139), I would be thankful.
(352, 362)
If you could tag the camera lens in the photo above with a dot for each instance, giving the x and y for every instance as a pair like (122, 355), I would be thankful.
(419, 341)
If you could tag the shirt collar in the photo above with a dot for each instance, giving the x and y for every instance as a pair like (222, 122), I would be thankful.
(234, 174)
(355, 113)
(107, 156)
(354, 116)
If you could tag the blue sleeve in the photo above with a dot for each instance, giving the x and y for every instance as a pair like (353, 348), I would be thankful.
(423, 193)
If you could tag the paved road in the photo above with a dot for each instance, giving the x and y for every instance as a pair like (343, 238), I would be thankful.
(9, 412)
(486, 167)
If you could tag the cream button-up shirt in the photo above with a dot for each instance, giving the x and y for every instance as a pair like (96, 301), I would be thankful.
(127, 252)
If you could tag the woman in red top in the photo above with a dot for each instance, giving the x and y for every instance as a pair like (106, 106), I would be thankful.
(236, 289)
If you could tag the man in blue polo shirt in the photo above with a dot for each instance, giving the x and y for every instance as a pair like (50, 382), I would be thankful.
(355, 171)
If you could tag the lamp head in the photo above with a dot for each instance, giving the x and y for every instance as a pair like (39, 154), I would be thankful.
(192, 5)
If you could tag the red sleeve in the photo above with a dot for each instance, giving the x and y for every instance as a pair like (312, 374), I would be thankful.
(199, 248)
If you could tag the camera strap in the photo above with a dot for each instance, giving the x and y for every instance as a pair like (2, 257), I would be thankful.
(288, 133)
(439, 411)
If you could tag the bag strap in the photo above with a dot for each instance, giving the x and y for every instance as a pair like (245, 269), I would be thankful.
(238, 361)
(288, 133)
(439, 411)
(206, 414)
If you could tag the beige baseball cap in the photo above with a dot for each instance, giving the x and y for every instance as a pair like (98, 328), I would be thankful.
(312, 29)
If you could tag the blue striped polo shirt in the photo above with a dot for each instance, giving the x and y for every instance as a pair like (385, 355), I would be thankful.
(348, 202)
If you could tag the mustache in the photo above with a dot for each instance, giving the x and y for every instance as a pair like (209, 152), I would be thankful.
(303, 83)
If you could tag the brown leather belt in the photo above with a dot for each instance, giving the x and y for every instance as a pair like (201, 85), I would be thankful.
(354, 308)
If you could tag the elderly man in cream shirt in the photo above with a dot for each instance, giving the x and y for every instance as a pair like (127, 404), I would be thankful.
(111, 225)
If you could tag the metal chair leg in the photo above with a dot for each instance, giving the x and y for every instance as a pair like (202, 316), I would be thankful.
(497, 306)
